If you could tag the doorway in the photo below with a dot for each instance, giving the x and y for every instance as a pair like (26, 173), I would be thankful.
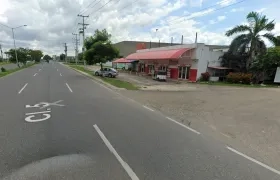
(183, 72)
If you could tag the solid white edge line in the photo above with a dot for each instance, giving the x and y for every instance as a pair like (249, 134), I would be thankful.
(22, 88)
(148, 108)
(69, 87)
(254, 160)
(126, 167)
(183, 125)
(35, 74)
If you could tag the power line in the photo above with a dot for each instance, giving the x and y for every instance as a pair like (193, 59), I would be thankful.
(91, 7)
(123, 7)
(204, 9)
(102, 7)
(85, 9)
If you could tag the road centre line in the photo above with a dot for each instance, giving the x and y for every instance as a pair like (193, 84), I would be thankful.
(254, 160)
(191, 129)
(22, 88)
(69, 87)
(35, 74)
(148, 108)
(126, 167)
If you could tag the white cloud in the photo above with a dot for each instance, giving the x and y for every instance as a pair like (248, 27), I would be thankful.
(261, 10)
(51, 22)
(226, 2)
(219, 19)
(237, 9)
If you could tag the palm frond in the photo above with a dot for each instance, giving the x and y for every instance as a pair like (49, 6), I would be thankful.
(253, 17)
(269, 26)
(238, 29)
(239, 41)
(271, 38)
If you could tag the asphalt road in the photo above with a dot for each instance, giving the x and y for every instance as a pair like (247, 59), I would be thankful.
(58, 124)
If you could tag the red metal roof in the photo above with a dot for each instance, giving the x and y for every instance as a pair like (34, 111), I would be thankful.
(218, 67)
(163, 54)
(122, 60)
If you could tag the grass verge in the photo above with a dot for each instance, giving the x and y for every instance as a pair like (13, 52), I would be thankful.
(238, 85)
(3, 63)
(15, 70)
(113, 81)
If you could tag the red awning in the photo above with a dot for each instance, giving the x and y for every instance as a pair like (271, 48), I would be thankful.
(162, 54)
(218, 67)
(122, 60)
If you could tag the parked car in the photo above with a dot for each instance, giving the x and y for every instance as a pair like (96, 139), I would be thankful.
(160, 76)
(107, 72)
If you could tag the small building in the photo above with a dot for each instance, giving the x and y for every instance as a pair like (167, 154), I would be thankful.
(185, 62)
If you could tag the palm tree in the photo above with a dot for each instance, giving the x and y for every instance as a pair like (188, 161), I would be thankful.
(251, 41)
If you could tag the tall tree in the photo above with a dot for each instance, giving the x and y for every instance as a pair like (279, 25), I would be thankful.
(250, 38)
(99, 48)
(36, 55)
(22, 55)
(47, 57)
(62, 57)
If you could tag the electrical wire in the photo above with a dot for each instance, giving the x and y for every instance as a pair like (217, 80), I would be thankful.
(204, 9)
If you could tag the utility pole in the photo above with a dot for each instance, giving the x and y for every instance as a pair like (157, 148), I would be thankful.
(1, 52)
(76, 47)
(83, 32)
(65, 50)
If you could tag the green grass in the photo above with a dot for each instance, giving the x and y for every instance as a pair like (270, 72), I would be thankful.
(236, 85)
(14, 70)
(3, 63)
(113, 81)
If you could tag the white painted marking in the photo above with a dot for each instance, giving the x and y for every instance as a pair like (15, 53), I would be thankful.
(129, 171)
(57, 69)
(40, 69)
(60, 74)
(183, 125)
(69, 87)
(38, 112)
(23, 88)
(148, 108)
(29, 118)
(255, 161)
(35, 74)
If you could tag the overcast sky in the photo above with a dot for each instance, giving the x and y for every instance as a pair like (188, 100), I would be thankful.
(50, 23)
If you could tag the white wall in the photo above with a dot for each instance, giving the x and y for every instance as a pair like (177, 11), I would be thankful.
(203, 55)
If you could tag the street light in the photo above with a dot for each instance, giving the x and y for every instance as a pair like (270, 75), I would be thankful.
(12, 28)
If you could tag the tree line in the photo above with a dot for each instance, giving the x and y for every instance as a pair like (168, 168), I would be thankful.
(25, 54)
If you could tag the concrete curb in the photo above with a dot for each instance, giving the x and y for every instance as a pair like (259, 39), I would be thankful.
(96, 79)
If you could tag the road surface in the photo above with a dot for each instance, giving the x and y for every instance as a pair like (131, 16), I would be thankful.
(58, 124)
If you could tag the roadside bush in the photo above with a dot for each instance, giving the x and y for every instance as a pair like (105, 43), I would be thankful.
(3, 69)
(243, 78)
(205, 76)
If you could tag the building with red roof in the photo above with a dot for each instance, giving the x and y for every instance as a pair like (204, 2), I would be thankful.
(185, 62)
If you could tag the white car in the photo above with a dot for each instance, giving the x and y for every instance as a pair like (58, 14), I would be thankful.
(160, 76)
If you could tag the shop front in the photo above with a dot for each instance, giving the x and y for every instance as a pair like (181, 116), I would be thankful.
(176, 62)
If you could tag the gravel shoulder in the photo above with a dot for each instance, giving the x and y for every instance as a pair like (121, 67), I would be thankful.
(244, 118)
